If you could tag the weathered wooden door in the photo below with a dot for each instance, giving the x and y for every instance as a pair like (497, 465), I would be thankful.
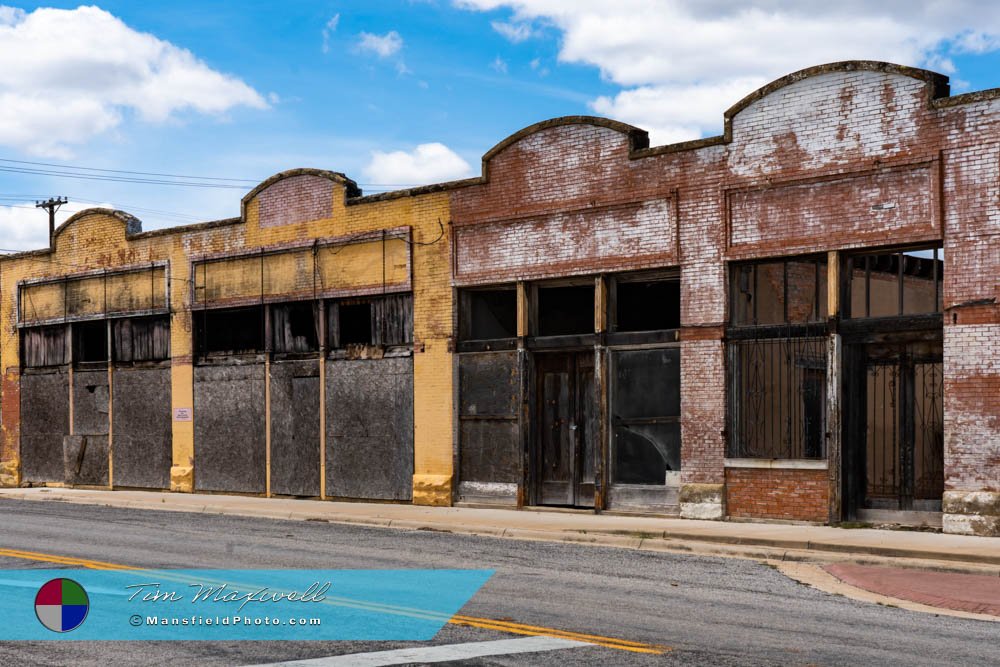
(565, 443)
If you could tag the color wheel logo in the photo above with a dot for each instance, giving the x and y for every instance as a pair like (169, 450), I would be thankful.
(61, 605)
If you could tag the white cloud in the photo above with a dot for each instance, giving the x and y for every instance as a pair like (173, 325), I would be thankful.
(24, 227)
(68, 75)
(709, 50)
(427, 163)
(514, 32)
(499, 65)
(328, 30)
(382, 46)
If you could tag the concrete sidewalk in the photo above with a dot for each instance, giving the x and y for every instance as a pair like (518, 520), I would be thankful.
(753, 540)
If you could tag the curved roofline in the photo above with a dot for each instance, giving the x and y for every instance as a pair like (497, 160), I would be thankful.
(351, 188)
(638, 137)
(938, 83)
(132, 224)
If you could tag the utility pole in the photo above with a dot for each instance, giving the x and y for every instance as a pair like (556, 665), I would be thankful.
(51, 205)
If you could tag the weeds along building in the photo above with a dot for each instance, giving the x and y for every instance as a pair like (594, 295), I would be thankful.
(796, 320)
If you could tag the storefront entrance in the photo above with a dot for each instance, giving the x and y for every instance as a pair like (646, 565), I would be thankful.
(564, 452)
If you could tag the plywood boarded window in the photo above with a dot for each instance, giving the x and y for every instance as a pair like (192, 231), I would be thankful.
(488, 314)
(140, 339)
(45, 346)
(295, 327)
(229, 331)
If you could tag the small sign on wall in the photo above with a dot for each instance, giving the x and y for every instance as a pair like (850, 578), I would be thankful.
(182, 414)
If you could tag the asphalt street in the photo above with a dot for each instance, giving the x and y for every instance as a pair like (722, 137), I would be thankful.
(697, 610)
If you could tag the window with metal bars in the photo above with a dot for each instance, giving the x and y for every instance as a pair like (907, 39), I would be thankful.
(776, 359)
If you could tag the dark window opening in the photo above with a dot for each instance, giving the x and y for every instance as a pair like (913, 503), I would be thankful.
(44, 346)
(488, 314)
(230, 331)
(565, 311)
(140, 339)
(894, 284)
(355, 324)
(380, 321)
(647, 306)
(90, 342)
(777, 398)
(780, 292)
(294, 327)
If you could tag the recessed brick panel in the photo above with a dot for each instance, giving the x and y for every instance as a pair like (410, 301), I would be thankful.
(296, 199)
(583, 241)
(875, 208)
(764, 493)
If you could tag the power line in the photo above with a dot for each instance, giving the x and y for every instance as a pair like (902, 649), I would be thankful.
(118, 179)
(122, 171)
(128, 175)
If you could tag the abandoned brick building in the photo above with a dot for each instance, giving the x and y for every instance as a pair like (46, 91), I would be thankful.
(797, 320)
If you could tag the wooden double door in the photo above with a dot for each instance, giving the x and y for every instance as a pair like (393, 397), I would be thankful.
(565, 434)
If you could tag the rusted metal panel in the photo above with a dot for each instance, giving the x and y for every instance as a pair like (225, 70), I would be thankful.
(44, 422)
(142, 427)
(295, 428)
(489, 443)
(370, 428)
(229, 428)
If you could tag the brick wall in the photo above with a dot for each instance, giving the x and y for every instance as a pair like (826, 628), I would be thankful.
(798, 495)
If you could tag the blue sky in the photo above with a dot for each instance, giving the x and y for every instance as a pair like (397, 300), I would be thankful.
(399, 92)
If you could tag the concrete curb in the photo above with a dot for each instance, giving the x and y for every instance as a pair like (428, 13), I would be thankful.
(672, 541)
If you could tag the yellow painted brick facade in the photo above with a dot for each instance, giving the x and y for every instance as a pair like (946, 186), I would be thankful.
(101, 240)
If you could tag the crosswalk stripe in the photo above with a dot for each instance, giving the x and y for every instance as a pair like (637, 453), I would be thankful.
(443, 653)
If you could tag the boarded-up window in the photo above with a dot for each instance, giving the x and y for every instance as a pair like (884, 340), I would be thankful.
(44, 346)
(385, 320)
(141, 339)
(295, 327)
(488, 314)
(229, 331)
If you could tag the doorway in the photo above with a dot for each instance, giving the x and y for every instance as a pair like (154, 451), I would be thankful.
(565, 453)
(898, 431)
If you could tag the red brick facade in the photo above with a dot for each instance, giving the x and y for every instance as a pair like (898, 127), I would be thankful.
(794, 495)
(841, 157)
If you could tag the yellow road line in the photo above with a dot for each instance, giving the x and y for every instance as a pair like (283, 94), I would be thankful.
(467, 621)
(64, 560)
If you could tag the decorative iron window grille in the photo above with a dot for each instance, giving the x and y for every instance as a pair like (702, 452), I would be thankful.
(776, 359)
(777, 397)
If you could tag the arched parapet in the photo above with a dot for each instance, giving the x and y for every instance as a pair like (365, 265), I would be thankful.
(297, 195)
